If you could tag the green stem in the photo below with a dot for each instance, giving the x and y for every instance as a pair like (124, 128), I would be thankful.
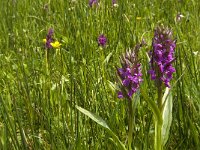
(158, 125)
(158, 140)
(160, 99)
(46, 61)
(130, 124)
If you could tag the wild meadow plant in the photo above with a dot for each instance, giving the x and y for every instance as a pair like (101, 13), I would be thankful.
(161, 70)
(50, 43)
(49, 39)
(102, 40)
(130, 78)
(42, 84)
(114, 2)
(48, 46)
(93, 2)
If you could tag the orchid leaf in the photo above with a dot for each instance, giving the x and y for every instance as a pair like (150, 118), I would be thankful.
(166, 115)
(101, 122)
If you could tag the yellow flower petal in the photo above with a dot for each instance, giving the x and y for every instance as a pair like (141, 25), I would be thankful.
(44, 40)
(56, 44)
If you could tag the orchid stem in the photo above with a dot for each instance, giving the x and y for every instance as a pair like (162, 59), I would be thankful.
(158, 142)
(130, 125)
(158, 125)
(46, 61)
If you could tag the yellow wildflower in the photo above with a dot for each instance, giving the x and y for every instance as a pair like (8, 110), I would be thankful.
(44, 40)
(55, 44)
(138, 18)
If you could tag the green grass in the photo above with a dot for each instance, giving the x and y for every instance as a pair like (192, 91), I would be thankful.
(37, 109)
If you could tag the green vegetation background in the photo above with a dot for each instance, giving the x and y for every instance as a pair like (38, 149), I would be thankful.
(37, 110)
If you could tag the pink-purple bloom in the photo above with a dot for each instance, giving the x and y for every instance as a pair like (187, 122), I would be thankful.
(93, 2)
(162, 56)
(102, 40)
(114, 2)
(49, 39)
(130, 74)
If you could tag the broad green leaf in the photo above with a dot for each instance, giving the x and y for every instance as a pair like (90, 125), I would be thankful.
(166, 115)
(94, 117)
(101, 122)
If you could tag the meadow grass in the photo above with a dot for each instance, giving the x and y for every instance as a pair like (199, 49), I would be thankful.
(37, 108)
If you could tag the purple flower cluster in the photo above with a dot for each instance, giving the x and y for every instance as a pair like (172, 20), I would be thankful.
(102, 40)
(49, 39)
(130, 73)
(162, 56)
(114, 2)
(93, 2)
